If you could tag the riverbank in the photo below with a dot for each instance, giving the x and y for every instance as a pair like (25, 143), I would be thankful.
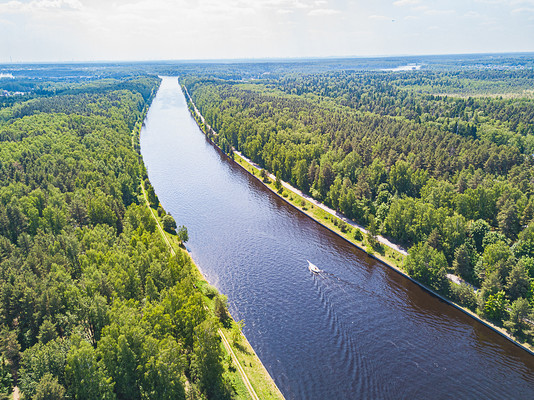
(337, 223)
(388, 257)
(244, 369)
(247, 373)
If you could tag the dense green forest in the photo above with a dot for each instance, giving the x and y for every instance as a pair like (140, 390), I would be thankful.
(450, 177)
(92, 304)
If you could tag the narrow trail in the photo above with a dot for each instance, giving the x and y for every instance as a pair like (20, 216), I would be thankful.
(244, 377)
(329, 210)
(227, 346)
(451, 277)
(298, 192)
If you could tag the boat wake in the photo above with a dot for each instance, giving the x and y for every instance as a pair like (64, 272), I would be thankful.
(363, 371)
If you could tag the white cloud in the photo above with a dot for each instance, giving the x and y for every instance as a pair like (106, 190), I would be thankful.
(285, 4)
(510, 3)
(401, 3)
(39, 5)
(379, 18)
(492, 1)
(421, 8)
(439, 12)
(523, 10)
(56, 4)
(10, 6)
(323, 11)
(159, 29)
(472, 14)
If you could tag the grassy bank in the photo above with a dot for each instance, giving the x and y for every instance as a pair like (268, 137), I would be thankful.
(333, 223)
(262, 384)
(252, 366)
(389, 256)
(385, 254)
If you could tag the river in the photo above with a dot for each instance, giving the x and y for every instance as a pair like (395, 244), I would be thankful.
(357, 330)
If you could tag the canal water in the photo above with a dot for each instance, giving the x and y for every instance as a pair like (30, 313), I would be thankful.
(356, 330)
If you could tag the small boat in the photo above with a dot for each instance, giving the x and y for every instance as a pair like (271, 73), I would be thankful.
(313, 268)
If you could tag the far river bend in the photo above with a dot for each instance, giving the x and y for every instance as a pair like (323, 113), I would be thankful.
(358, 330)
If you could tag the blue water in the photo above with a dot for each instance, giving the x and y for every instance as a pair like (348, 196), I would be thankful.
(357, 330)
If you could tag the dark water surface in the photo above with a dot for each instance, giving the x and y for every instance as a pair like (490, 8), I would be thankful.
(358, 330)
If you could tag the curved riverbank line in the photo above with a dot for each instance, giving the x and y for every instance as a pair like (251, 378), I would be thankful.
(328, 218)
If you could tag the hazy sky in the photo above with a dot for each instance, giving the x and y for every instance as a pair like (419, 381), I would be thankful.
(80, 30)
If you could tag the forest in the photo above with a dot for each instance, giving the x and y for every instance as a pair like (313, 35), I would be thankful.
(437, 160)
(92, 304)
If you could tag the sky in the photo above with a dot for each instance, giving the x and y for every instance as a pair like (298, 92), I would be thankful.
(97, 30)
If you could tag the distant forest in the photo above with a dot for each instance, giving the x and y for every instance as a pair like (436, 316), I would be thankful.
(440, 160)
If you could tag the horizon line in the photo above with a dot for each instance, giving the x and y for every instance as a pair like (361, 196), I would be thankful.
(263, 59)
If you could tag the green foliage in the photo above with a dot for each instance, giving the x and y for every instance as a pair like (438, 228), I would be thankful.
(151, 194)
(497, 257)
(151, 290)
(428, 266)
(183, 234)
(343, 226)
(524, 247)
(221, 309)
(237, 330)
(494, 237)
(382, 148)
(40, 364)
(464, 295)
(519, 311)
(10, 346)
(6, 380)
(495, 306)
(47, 332)
(49, 388)
(508, 219)
(263, 175)
(462, 262)
(450, 176)
(169, 224)
(278, 184)
(491, 285)
(478, 230)
(90, 293)
(517, 282)
(93, 312)
(86, 376)
(136, 359)
(206, 361)
(210, 291)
